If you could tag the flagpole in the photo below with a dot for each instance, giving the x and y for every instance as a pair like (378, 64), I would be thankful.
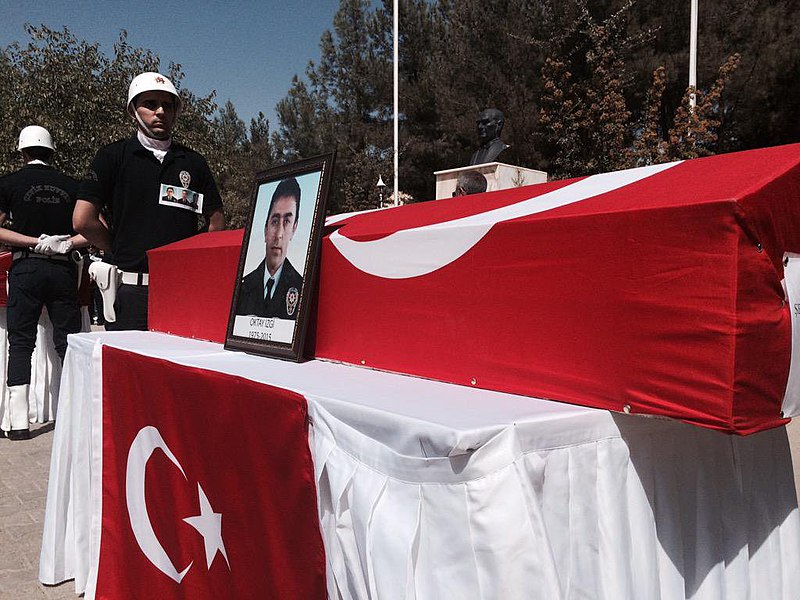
(396, 22)
(693, 54)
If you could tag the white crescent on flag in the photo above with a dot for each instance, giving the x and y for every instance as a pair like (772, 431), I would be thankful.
(142, 448)
(414, 252)
(208, 523)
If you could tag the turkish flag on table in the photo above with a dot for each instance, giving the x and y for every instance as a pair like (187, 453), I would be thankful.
(208, 487)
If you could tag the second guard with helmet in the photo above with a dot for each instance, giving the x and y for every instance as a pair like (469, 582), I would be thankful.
(128, 182)
(39, 201)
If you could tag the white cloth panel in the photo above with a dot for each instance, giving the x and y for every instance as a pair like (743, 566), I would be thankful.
(45, 371)
(791, 288)
(66, 550)
(661, 510)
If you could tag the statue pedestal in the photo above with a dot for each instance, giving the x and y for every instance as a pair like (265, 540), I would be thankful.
(499, 176)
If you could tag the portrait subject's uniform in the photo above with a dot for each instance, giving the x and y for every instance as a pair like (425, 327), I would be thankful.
(284, 299)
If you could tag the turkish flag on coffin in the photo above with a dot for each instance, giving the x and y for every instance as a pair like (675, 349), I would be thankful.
(655, 290)
(208, 487)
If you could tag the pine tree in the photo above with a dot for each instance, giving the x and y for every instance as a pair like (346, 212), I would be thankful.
(346, 105)
(584, 116)
(693, 132)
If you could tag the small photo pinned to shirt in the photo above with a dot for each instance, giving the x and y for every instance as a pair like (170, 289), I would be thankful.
(180, 197)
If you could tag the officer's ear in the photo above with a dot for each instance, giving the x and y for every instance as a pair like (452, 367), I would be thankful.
(132, 110)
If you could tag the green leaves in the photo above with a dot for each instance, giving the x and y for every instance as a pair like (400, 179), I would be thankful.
(79, 94)
(70, 87)
(574, 78)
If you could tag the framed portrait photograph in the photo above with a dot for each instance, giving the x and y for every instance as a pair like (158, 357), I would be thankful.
(280, 252)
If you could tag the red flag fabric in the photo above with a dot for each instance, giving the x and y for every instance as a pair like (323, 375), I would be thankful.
(202, 497)
(5, 264)
(653, 290)
(204, 263)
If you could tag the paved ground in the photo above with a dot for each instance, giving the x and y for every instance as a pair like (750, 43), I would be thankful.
(23, 482)
(23, 489)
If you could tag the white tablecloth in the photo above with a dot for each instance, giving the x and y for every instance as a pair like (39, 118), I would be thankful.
(431, 491)
(45, 371)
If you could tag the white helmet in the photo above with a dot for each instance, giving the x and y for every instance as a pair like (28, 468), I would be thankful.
(153, 82)
(33, 135)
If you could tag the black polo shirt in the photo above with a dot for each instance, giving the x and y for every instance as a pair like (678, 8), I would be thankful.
(39, 199)
(125, 180)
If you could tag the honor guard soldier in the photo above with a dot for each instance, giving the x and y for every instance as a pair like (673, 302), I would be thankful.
(128, 181)
(39, 202)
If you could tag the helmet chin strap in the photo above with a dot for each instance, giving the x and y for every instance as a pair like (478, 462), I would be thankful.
(147, 131)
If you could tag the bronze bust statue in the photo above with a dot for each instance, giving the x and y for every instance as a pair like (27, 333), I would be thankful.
(490, 124)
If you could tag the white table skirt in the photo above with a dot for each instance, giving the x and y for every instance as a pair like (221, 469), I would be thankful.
(45, 371)
(430, 491)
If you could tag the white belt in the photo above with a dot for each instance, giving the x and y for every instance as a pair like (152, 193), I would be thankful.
(135, 278)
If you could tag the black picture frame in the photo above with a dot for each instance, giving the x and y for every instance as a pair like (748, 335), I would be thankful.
(277, 326)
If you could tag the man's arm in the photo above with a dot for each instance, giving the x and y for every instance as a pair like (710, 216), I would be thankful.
(216, 220)
(78, 241)
(19, 240)
(13, 238)
(86, 221)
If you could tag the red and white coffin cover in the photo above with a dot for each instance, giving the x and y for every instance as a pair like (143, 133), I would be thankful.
(655, 290)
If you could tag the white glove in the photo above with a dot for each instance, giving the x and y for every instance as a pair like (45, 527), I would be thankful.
(53, 244)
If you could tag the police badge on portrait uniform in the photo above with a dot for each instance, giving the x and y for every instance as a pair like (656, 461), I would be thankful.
(292, 296)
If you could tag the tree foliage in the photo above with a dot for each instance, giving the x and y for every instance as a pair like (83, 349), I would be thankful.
(79, 94)
(71, 88)
(585, 86)
(585, 119)
(346, 104)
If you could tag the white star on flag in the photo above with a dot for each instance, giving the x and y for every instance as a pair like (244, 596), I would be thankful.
(209, 525)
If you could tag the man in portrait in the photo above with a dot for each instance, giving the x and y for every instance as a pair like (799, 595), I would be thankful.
(170, 195)
(188, 198)
(273, 288)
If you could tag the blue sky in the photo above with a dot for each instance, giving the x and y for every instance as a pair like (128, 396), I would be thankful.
(247, 51)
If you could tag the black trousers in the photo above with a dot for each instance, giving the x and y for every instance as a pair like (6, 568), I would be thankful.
(130, 308)
(32, 284)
